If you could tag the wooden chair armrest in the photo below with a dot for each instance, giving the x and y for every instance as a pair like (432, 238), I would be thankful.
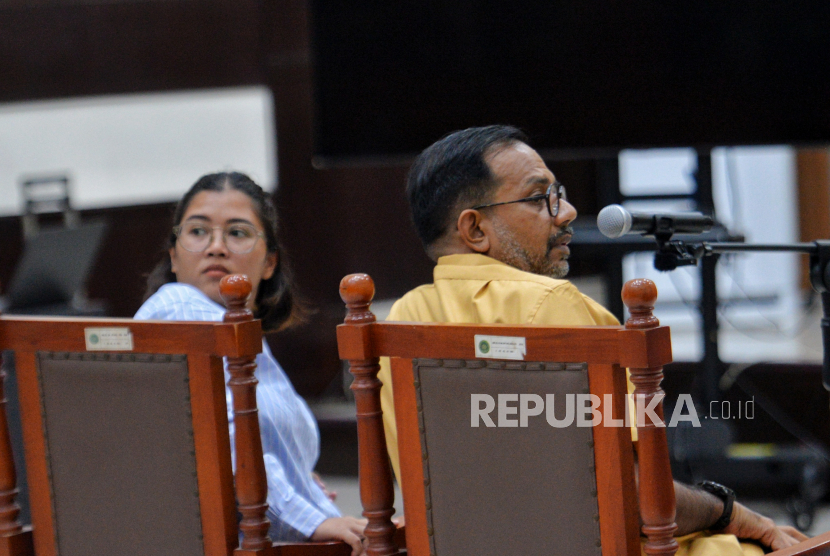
(329, 548)
(816, 546)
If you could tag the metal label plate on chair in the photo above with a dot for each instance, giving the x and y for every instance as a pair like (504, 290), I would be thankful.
(500, 347)
(108, 339)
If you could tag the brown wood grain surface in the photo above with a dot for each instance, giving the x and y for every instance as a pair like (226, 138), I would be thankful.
(606, 344)
(376, 492)
(656, 490)
(231, 340)
(9, 508)
(304, 549)
(15, 540)
(251, 484)
(614, 454)
(210, 420)
(40, 503)
(816, 546)
(410, 455)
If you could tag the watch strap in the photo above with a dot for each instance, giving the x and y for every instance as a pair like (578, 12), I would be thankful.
(727, 496)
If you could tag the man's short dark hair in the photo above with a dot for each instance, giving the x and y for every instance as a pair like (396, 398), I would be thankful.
(452, 174)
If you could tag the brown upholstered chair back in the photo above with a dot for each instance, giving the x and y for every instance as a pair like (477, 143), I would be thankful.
(539, 489)
(535, 489)
(125, 426)
(127, 449)
(122, 466)
(529, 488)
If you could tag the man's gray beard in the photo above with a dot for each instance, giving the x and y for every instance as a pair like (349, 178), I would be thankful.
(517, 256)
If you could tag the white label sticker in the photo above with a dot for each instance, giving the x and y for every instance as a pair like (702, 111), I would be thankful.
(108, 339)
(500, 347)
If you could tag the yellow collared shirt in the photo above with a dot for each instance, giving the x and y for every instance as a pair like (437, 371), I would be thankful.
(474, 289)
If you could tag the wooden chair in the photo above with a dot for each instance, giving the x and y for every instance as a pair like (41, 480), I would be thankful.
(126, 438)
(534, 489)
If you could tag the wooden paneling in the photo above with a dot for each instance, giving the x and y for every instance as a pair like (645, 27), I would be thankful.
(72, 49)
(334, 221)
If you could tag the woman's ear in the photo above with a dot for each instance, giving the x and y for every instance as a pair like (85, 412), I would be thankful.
(472, 231)
(172, 253)
(271, 260)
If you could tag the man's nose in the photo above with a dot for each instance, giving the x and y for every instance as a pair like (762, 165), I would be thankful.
(566, 214)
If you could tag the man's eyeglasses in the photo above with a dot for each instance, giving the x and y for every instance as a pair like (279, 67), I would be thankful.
(554, 194)
(239, 238)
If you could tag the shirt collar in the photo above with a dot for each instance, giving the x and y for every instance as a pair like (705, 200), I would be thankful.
(469, 259)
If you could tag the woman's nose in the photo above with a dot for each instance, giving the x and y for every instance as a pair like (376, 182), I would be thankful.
(216, 244)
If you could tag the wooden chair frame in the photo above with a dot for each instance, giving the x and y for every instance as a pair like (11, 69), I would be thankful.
(641, 345)
(239, 338)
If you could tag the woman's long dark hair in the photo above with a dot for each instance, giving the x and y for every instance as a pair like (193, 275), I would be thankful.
(276, 301)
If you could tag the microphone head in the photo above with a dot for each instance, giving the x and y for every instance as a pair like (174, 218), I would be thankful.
(614, 221)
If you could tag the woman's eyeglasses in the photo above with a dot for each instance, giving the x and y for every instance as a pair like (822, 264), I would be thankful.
(239, 238)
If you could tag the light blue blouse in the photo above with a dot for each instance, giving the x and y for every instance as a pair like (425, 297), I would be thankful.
(290, 438)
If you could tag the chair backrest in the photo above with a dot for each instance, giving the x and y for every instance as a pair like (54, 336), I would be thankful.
(126, 436)
(485, 469)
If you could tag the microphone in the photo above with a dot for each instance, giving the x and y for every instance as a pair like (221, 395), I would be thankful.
(615, 221)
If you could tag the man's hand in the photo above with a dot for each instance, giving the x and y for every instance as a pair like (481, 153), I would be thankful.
(747, 524)
(697, 510)
(347, 529)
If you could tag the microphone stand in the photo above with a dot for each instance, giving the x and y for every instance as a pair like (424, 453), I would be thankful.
(673, 253)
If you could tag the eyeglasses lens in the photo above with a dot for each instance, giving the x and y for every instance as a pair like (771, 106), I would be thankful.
(556, 195)
(239, 238)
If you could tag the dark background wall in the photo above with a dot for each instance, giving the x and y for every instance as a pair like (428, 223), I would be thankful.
(334, 221)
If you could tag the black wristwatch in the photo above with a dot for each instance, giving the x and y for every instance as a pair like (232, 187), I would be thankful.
(727, 495)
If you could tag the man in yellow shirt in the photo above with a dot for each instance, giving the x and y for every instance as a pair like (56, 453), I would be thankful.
(493, 216)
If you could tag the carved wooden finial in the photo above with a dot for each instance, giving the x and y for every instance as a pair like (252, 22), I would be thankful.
(235, 290)
(639, 296)
(357, 292)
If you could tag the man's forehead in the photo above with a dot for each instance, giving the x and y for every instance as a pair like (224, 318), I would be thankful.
(519, 164)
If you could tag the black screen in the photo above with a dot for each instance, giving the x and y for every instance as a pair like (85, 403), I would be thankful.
(581, 76)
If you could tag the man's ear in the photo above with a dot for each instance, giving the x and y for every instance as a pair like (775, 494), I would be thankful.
(471, 231)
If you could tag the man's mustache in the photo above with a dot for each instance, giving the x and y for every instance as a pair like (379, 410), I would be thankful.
(556, 238)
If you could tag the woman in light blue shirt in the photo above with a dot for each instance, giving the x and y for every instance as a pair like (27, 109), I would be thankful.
(226, 224)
